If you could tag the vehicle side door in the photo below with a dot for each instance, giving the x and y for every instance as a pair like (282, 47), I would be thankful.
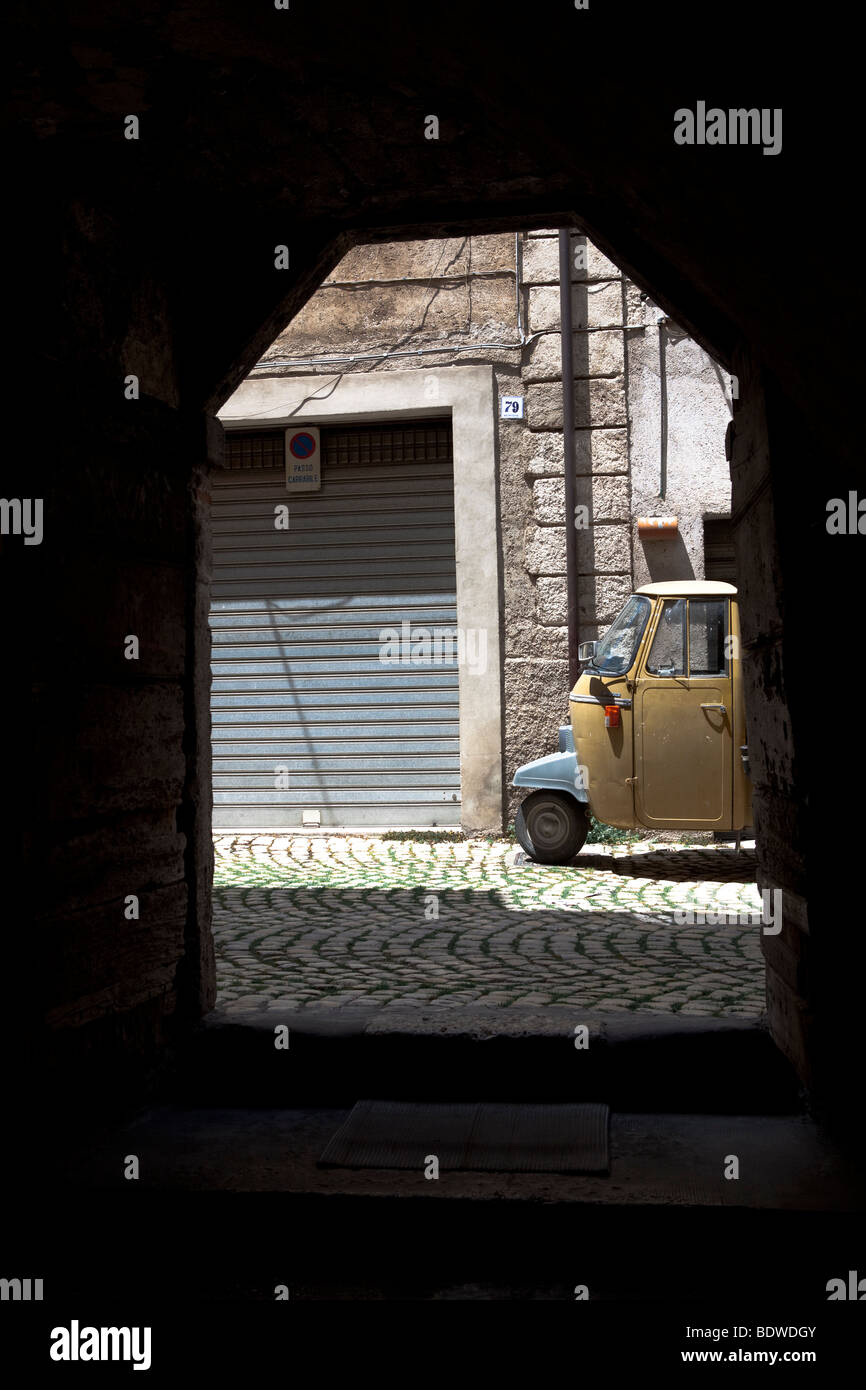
(684, 717)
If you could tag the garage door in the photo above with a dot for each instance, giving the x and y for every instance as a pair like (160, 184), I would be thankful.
(316, 709)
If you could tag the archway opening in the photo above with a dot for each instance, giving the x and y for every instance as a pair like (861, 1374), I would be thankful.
(397, 333)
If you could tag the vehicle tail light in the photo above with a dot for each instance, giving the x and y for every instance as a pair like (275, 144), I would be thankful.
(611, 716)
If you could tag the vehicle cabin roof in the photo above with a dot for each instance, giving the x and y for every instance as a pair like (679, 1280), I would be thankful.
(688, 588)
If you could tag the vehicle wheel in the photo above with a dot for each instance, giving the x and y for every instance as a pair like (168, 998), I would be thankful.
(551, 827)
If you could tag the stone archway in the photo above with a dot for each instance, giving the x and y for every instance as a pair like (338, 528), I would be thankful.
(154, 259)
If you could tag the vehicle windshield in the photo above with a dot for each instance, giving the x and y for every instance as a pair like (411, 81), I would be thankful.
(616, 652)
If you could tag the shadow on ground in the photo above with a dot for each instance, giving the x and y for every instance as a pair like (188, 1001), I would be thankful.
(706, 865)
(612, 945)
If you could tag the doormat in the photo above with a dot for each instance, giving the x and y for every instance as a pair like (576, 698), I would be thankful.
(479, 1136)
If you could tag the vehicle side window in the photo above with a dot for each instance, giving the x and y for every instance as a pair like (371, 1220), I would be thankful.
(707, 637)
(667, 656)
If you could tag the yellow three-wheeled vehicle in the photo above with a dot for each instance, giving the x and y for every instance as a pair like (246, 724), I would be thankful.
(658, 728)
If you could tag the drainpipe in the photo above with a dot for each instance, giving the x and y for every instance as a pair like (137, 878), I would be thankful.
(663, 418)
(518, 276)
(568, 450)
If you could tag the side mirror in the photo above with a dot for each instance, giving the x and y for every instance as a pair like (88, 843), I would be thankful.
(586, 650)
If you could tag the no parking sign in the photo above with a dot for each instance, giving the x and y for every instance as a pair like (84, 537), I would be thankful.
(303, 459)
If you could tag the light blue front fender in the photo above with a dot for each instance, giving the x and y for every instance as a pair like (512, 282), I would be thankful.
(557, 772)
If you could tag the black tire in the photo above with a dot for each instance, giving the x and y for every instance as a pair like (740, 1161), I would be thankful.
(551, 827)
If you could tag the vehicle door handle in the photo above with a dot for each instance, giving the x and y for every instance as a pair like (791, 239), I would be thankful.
(723, 708)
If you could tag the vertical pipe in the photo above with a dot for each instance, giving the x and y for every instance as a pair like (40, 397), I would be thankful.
(518, 276)
(568, 449)
(663, 407)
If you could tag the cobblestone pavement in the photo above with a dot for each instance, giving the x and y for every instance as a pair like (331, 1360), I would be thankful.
(302, 923)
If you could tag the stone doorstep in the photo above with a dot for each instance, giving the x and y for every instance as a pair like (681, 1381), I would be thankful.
(551, 1021)
(634, 1061)
(666, 1159)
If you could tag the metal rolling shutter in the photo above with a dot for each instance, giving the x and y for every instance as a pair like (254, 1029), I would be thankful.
(296, 618)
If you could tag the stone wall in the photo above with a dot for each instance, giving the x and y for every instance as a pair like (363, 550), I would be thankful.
(536, 673)
(118, 830)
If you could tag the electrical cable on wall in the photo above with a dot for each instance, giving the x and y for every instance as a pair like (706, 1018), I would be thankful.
(441, 281)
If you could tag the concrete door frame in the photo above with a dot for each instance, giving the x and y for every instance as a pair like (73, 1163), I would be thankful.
(468, 395)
